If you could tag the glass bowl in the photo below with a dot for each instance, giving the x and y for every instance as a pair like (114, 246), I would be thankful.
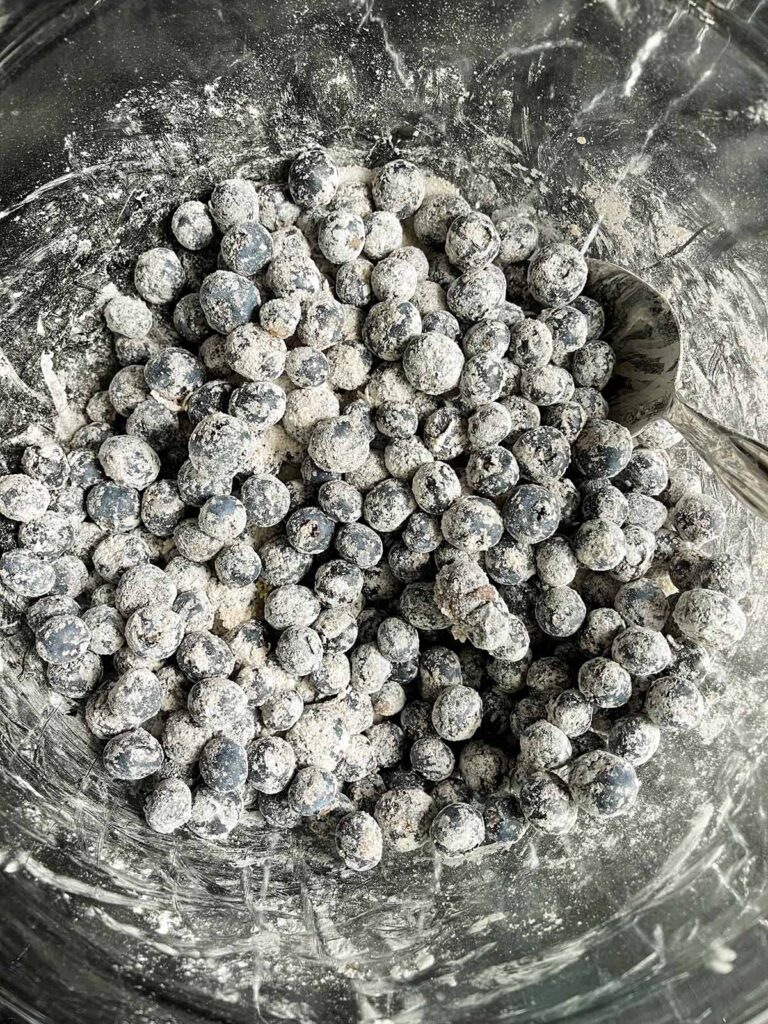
(637, 129)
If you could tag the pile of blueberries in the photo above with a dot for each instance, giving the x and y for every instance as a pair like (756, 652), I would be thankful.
(472, 601)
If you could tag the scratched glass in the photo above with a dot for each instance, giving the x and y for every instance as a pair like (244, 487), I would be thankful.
(639, 127)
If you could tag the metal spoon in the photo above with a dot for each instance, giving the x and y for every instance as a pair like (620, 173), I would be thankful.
(645, 336)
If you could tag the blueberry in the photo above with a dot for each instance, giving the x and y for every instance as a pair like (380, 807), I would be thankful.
(642, 510)
(193, 544)
(388, 328)
(282, 710)
(457, 829)
(397, 640)
(560, 611)
(482, 380)
(282, 563)
(709, 618)
(159, 276)
(359, 841)
(307, 367)
(531, 514)
(280, 317)
(75, 679)
(313, 178)
(62, 638)
(387, 505)
(472, 240)
(172, 373)
(642, 602)
(195, 485)
(214, 815)
(353, 278)
(422, 533)
(605, 682)
(602, 449)
(135, 696)
(592, 365)
(571, 711)
(634, 738)
(487, 337)
(168, 806)
(404, 816)
(202, 655)
(445, 434)
(238, 565)
(312, 791)
(46, 462)
(570, 418)
(116, 553)
(128, 316)
(603, 784)
(254, 353)
(543, 454)
(220, 443)
(726, 573)
(246, 248)
(26, 574)
(556, 274)
(546, 803)
(153, 424)
(228, 300)
(223, 517)
(233, 201)
(457, 713)
(599, 544)
(132, 755)
(441, 322)
(272, 764)
(641, 651)
(531, 344)
(71, 575)
(266, 500)
(434, 217)
(602, 500)
(699, 518)
(435, 487)
(594, 313)
(277, 811)
(674, 703)
(84, 468)
(510, 562)
(492, 472)
(49, 537)
(23, 498)
(191, 225)
(568, 326)
(370, 668)
(504, 821)
(340, 501)
(646, 472)
(519, 236)
(129, 461)
(547, 386)
(154, 632)
(299, 650)
(46, 607)
(223, 765)
(113, 506)
(472, 524)
(92, 435)
(338, 444)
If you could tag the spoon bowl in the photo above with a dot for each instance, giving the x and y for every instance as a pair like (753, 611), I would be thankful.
(645, 336)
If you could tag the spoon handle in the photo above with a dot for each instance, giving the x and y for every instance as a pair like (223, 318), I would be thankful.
(739, 462)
